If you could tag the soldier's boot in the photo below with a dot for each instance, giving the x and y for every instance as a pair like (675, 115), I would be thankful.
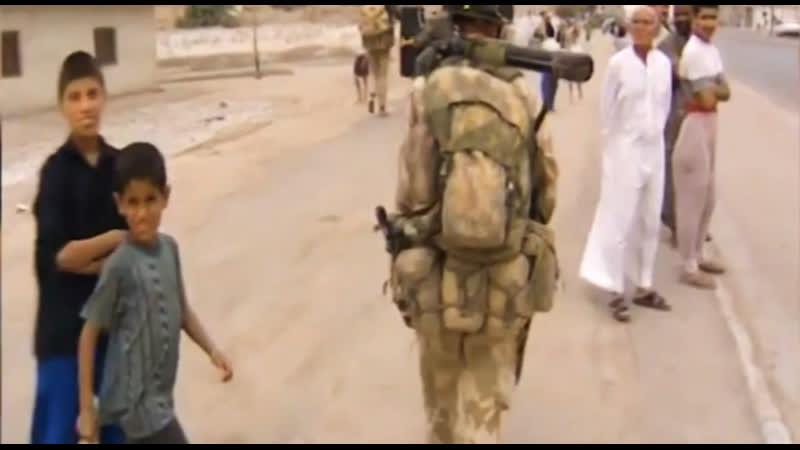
(371, 105)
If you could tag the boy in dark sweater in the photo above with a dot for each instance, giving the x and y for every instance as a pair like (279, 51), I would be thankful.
(77, 227)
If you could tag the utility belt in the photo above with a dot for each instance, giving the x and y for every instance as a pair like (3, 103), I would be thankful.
(435, 291)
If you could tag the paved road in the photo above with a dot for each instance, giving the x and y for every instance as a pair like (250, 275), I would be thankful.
(321, 356)
(769, 65)
(760, 237)
(292, 290)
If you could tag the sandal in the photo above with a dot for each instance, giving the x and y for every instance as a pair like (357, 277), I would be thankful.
(652, 300)
(619, 311)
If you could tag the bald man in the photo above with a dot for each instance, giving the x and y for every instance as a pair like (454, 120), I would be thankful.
(621, 250)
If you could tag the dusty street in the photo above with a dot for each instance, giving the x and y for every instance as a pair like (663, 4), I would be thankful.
(769, 64)
(274, 223)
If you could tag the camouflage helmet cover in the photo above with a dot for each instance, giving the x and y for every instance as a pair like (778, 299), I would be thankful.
(492, 13)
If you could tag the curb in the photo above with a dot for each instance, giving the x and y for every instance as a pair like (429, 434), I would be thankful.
(769, 416)
(773, 428)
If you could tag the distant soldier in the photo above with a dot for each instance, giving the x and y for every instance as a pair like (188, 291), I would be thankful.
(472, 255)
(376, 26)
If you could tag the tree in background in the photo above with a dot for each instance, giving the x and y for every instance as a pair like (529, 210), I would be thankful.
(208, 16)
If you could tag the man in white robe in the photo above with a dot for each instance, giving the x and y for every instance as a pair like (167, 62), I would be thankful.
(621, 249)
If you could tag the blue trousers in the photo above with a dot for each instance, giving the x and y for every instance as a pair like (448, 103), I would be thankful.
(56, 408)
(549, 87)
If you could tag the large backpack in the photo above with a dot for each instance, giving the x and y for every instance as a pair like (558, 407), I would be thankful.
(376, 27)
(374, 20)
(483, 131)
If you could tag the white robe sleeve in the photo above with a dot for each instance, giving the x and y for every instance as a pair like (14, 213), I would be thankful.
(665, 105)
(609, 98)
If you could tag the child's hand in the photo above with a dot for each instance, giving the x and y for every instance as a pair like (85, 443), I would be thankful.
(87, 425)
(222, 363)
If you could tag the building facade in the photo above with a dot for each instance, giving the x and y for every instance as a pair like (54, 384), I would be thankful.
(36, 39)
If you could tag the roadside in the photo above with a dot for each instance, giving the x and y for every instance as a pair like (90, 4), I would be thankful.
(665, 378)
(292, 290)
(769, 65)
(750, 34)
(757, 235)
(756, 227)
(220, 168)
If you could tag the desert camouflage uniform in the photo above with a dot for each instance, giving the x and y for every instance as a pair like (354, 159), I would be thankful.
(378, 48)
(467, 377)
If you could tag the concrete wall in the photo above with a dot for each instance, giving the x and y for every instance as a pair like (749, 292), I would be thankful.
(271, 38)
(49, 33)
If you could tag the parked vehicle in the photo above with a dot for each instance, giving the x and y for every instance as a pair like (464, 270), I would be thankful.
(787, 29)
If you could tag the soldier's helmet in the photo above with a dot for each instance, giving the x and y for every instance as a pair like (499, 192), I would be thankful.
(492, 13)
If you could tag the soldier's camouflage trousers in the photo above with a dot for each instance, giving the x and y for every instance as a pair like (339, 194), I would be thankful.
(472, 322)
(379, 69)
(467, 380)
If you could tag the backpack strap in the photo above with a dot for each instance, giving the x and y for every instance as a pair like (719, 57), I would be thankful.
(535, 169)
(537, 123)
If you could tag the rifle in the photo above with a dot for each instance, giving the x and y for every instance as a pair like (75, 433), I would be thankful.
(395, 239)
(395, 243)
(440, 39)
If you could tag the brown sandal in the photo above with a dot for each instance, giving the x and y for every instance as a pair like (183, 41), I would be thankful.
(619, 311)
(652, 300)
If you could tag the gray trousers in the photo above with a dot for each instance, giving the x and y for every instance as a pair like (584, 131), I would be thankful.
(670, 136)
(693, 163)
(170, 434)
(379, 69)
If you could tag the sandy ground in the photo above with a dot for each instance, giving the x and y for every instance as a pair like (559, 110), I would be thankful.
(275, 229)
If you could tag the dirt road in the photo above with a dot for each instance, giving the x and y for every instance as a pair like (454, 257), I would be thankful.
(275, 230)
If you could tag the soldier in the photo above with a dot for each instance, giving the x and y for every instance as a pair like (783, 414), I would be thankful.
(377, 36)
(472, 256)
